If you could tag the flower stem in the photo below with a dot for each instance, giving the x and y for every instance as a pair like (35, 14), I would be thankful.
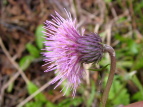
(111, 52)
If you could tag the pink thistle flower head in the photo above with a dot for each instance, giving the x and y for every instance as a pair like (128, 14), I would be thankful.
(67, 50)
(90, 47)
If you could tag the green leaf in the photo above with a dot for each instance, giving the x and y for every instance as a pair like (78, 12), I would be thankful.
(138, 7)
(92, 95)
(39, 36)
(26, 61)
(33, 104)
(32, 88)
(101, 69)
(129, 75)
(124, 63)
(70, 102)
(139, 61)
(121, 19)
(103, 34)
(133, 47)
(49, 104)
(137, 96)
(10, 87)
(139, 64)
(108, 1)
(137, 83)
(118, 92)
(32, 50)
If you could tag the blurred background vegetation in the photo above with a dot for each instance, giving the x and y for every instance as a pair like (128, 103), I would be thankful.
(119, 23)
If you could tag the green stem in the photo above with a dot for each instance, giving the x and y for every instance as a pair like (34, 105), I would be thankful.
(111, 52)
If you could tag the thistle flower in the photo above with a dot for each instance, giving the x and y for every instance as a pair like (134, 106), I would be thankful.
(67, 50)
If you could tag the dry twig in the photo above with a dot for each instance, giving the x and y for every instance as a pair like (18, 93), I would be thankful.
(15, 65)
(33, 95)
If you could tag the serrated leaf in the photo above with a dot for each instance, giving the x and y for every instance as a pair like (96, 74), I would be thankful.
(39, 36)
(32, 50)
(25, 61)
(118, 92)
(132, 47)
(31, 87)
(137, 96)
(137, 83)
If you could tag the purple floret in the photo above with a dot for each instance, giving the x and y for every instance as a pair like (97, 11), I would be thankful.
(67, 50)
